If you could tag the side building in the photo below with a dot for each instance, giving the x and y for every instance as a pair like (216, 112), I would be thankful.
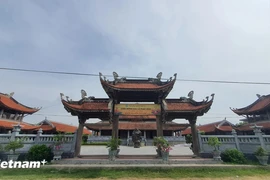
(256, 114)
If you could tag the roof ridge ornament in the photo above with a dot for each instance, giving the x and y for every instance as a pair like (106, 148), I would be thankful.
(159, 75)
(83, 94)
(115, 76)
(259, 96)
(10, 94)
(190, 97)
(190, 94)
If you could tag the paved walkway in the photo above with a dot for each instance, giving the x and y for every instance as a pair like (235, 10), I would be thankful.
(181, 149)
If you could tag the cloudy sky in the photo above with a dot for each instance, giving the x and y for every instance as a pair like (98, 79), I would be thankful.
(210, 40)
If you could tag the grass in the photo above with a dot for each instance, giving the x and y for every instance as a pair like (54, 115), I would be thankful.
(172, 173)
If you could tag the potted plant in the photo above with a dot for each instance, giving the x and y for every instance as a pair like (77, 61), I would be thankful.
(13, 146)
(163, 148)
(262, 155)
(113, 145)
(214, 142)
(59, 140)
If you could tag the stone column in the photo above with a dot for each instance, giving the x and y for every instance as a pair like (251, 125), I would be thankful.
(234, 133)
(257, 131)
(39, 133)
(195, 142)
(159, 126)
(115, 127)
(79, 137)
(15, 132)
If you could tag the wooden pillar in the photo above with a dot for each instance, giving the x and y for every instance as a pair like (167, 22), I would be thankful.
(195, 141)
(159, 126)
(115, 127)
(79, 137)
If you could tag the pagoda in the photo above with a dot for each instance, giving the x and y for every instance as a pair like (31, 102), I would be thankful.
(12, 113)
(140, 99)
(257, 113)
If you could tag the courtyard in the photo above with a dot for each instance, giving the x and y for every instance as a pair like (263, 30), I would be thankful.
(177, 150)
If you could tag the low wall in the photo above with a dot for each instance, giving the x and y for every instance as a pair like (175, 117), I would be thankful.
(32, 139)
(247, 144)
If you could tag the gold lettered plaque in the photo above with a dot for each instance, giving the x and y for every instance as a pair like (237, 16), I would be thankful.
(137, 109)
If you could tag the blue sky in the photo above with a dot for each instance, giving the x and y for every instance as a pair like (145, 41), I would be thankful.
(215, 40)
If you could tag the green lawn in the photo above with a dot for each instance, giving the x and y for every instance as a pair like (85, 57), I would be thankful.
(198, 172)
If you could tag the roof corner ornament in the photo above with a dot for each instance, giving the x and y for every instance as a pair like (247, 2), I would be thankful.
(259, 96)
(213, 95)
(101, 75)
(190, 94)
(206, 99)
(175, 75)
(83, 94)
(67, 97)
(159, 75)
(61, 96)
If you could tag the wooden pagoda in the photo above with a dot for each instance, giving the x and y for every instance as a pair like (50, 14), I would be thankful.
(149, 96)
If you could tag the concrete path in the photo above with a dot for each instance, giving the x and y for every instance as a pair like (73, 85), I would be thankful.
(181, 149)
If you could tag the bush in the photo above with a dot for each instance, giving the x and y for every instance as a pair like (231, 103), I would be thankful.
(261, 152)
(84, 138)
(233, 156)
(40, 152)
(188, 139)
(14, 145)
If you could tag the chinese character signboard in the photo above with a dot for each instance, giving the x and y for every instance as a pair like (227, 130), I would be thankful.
(137, 109)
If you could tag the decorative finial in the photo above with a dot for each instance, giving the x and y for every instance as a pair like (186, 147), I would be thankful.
(11, 94)
(213, 95)
(207, 97)
(190, 94)
(115, 75)
(175, 75)
(83, 94)
(258, 95)
(159, 76)
(67, 98)
(61, 95)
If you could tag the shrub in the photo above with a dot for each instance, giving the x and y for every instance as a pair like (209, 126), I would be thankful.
(261, 152)
(233, 156)
(84, 138)
(40, 152)
(188, 139)
(113, 144)
(14, 145)
(214, 142)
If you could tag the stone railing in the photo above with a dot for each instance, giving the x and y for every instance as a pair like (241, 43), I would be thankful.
(31, 139)
(248, 144)
(173, 140)
(98, 139)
